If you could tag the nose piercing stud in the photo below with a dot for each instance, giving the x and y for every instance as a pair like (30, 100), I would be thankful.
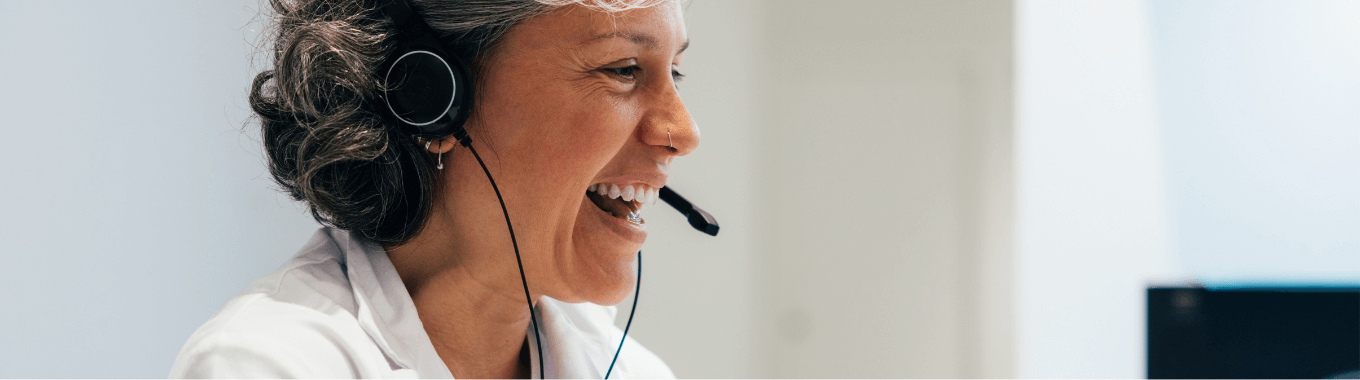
(669, 142)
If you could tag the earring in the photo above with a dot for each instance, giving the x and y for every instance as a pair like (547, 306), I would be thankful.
(439, 161)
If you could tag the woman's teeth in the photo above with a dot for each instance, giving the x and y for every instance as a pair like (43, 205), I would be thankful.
(624, 202)
(642, 194)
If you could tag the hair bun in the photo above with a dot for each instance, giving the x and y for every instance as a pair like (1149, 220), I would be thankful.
(325, 144)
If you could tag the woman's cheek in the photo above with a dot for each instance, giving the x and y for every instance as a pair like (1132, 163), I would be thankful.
(603, 132)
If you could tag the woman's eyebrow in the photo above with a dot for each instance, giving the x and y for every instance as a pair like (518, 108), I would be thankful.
(648, 42)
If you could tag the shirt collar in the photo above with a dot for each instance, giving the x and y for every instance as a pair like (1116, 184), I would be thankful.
(385, 310)
(579, 340)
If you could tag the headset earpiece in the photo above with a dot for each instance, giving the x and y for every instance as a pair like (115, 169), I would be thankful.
(427, 91)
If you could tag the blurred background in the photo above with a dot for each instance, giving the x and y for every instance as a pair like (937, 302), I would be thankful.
(959, 188)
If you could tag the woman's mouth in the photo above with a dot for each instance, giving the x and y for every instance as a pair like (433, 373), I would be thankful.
(623, 202)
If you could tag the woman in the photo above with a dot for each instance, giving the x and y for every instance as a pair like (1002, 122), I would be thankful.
(578, 119)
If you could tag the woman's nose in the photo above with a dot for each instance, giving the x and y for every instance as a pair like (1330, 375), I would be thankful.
(668, 123)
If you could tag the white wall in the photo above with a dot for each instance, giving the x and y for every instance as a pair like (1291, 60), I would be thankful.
(885, 188)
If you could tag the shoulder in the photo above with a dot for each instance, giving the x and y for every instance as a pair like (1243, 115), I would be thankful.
(258, 337)
(296, 322)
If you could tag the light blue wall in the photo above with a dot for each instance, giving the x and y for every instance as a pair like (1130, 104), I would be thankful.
(1169, 140)
(132, 204)
(1260, 112)
(1092, 218)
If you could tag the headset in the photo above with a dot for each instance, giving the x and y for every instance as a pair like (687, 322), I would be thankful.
(429, 94)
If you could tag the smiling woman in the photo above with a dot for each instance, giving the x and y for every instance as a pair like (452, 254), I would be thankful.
(577, 108)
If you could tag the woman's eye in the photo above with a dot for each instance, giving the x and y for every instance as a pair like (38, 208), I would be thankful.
(629, 73)
(625, 72)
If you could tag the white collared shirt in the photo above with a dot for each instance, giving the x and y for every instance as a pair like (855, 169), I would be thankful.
(339, 310)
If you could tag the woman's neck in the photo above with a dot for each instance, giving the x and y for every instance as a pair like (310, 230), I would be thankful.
(475, 316)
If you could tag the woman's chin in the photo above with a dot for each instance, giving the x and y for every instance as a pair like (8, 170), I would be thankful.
(617, 292)
(603, 280)
(607, 248)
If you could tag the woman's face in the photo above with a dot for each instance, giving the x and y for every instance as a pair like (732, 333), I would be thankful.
(571, 101)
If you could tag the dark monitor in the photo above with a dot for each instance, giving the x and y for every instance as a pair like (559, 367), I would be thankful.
(1253, 333)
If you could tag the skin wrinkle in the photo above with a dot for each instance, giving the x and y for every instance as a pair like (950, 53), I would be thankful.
(560, 123)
